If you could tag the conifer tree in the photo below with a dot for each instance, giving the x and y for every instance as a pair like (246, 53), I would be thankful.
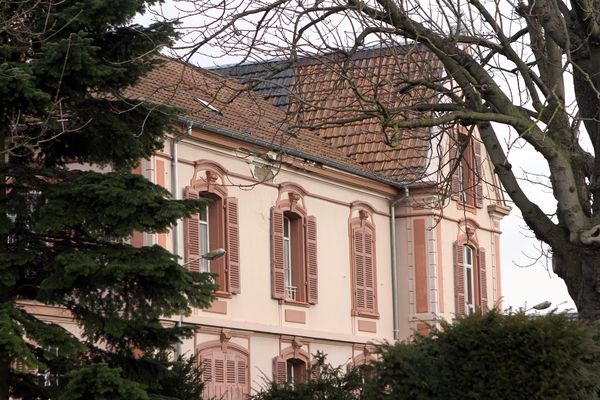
(64, 69)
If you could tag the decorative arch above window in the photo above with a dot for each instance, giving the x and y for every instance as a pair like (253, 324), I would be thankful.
(366, 356)
(470, 277)
(225, 369)
(363, 260)
(215, 226)
(294, 270)
(291, 364)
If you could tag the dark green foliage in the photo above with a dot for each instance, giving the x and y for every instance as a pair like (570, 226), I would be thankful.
(482, 356)
(325, 382)
(493, 356)
(65, 67)
(100, 382)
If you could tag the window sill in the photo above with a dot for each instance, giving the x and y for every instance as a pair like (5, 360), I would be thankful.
(466, 207)
(223, 295)
(294, 303)
(365, 314)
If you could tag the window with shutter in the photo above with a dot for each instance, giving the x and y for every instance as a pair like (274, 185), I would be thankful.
(224, 371)
(470, 278)
(216, 225)
(294, 270)
(291, 366)
(466, 181)
(362, 233)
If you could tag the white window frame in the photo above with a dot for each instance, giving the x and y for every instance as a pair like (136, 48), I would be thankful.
(469, 268)
(290, 289)
(462, 190)
(204, 237)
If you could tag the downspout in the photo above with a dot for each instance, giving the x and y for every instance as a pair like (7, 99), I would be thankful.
(177, 196)
(393, 204)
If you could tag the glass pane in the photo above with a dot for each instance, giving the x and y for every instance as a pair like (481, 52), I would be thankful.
(286, 227)
(204, 213)
(469, 288)
(204, 246)
(468, 256)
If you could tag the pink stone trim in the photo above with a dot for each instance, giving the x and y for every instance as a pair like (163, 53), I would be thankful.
(367, 326)
(217, 307)
(295, 316)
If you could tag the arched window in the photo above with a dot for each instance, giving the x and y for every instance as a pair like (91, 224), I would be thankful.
(293, 248)
(469, 269)
(224, 367)
(467, 182)
(470, 277)
(214, 226)
(291, 365)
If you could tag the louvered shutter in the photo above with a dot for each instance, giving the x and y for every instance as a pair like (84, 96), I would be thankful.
(277, 263)
(482, 279)
(192, 235)
(459, 278)
(137, 237)
(369, 272)
(279, 370)
(206, 369)
(242, 371)
(312, 282)
(478, 174)
(233, 244)
(231, 371)
(454, 163)
(359, 270)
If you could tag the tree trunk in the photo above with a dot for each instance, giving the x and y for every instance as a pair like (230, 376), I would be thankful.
(581, 273)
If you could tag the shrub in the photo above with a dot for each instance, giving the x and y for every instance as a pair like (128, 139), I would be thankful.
(493, 356)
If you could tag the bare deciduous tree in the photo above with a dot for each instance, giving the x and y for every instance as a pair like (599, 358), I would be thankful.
(529, 67)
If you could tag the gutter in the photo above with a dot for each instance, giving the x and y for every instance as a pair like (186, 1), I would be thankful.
(294, 152)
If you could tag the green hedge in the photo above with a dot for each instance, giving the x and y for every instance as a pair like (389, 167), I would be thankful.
(483, 356)
(493, 356)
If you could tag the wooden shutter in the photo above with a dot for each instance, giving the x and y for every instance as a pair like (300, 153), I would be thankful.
(478, 174)
(312, 281)
(192, 235)
(206, 369)
(242, 372)
(364, 270)
(232, 244)
(459, 278)
(482, 280)
(279, 370)
(277, 264)
(369, 272)
(454, 162)
(359, 270)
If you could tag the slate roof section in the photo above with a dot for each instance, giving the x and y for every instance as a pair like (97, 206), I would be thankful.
(271, 80)
(340, 99)
(224, 105)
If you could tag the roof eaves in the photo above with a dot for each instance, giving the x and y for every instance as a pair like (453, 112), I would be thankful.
(298, 153)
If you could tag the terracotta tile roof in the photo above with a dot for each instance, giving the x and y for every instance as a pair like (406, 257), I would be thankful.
(219, 102)
(338, 97)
